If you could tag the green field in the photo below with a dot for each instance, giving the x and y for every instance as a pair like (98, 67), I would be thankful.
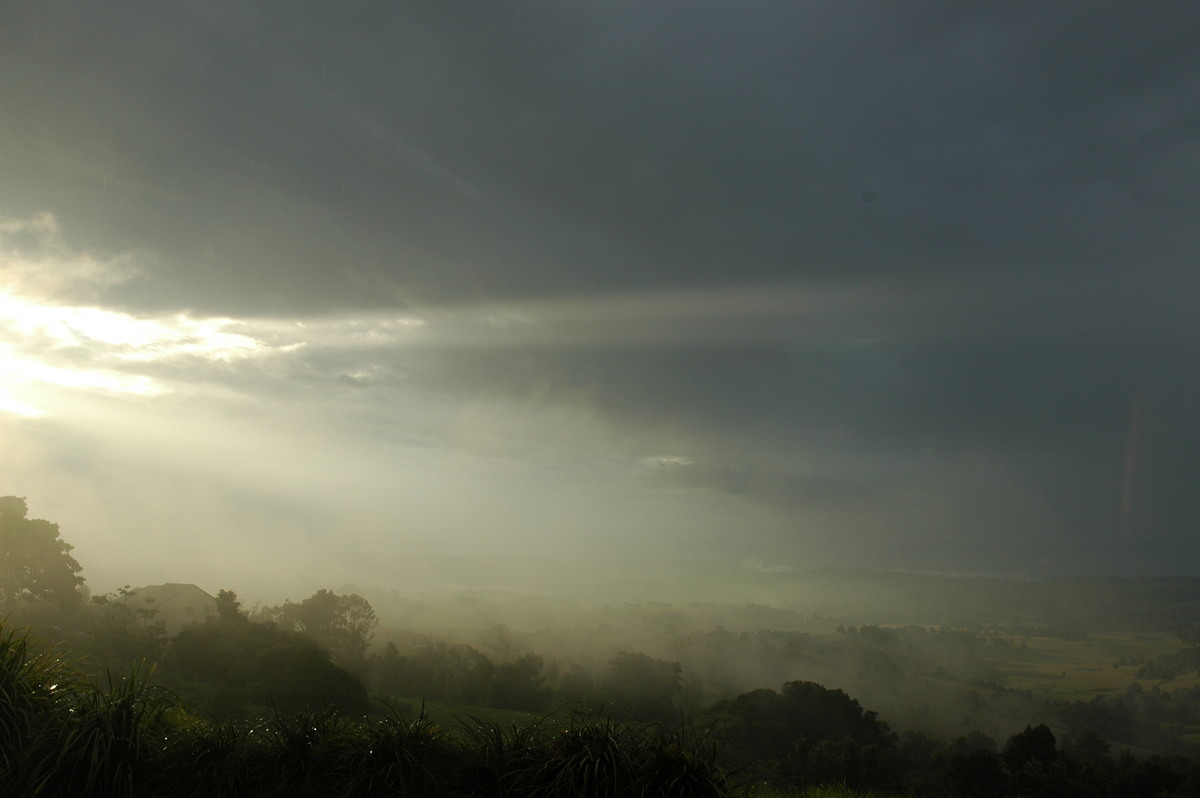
(1077, 670)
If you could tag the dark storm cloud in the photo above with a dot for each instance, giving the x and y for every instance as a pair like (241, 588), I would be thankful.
(825, 139)
(993, 210)
(551, 148)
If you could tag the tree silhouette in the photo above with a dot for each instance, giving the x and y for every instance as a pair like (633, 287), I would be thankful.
(238, 668)
(344, 625)
(35, 563)
(229, 606)
(642, 686)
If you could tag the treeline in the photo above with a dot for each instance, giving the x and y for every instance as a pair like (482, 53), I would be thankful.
(1146, 718)
(317, 653)
(1168, 666)
(243, 663)
(631, 683)
(806, 735)
(310, 669)
(943, 681)
(62, 734)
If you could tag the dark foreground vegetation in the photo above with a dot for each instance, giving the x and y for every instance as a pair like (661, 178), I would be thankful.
(64, 734)
(61, 734)
(299, 699)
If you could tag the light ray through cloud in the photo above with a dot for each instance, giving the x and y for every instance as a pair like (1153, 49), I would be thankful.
(472, 277)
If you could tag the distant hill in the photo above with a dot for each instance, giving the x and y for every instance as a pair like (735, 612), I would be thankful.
(1057, 606)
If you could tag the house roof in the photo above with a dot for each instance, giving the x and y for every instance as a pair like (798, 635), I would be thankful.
(167, 592)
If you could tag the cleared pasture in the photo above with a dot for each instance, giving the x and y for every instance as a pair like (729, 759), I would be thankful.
(1074, 670)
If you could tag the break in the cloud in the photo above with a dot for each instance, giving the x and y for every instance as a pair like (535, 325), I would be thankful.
(223, 432)
(37, 262)
(820, 282)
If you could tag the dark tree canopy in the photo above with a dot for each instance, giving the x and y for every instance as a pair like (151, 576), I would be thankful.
(35, 563)
(344, 625)
(249, 667)
(457, 673)
(812, 734)
(771, 722)
(229, 606)
(642, 686)
(520, 684)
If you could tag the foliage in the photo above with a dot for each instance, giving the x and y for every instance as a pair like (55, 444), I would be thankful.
(811, 734)
(129, 738)
(35, 563)
(641, 686)
(1145, 718)
(107, 742)
(520, 684)
(65, 736)
(124, 630)
(575, 685)
(229, 606)
(830, 791)
(591, 754)
(34, 681)
(250, 667)
(434, 670)
(344, 625)
(1171, 666)
(401, 757)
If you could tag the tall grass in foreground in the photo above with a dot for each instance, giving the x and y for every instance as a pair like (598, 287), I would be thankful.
(834, 791)
(61, 734)
(588, 754)
(323, 754)
(34, 680)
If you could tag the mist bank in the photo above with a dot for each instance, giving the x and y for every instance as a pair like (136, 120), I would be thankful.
(941, 655)
(522, 593)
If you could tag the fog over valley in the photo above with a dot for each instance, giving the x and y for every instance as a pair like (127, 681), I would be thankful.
(828, 368)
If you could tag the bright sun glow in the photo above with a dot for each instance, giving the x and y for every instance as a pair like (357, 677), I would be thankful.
(124, 336)
(97, 379)
(100, 350)
(16, 407)
(43, 342)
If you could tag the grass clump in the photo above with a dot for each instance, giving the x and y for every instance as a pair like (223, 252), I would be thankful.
(591, 754)
(62, 734)
(34, 680)
(828, 791)
(398, 757)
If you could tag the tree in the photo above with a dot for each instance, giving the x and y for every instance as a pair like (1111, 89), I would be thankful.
(520, 684)
(344, 625)
(229, 606)
(235, 668)
(810, 735)
(297, 676)
(124, 630)
(35, 563)
(642, 686)
(576, 685)
(434, 670)
(1033, 762)
(1033, 748)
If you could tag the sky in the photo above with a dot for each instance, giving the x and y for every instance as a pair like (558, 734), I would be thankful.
(314, 295)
